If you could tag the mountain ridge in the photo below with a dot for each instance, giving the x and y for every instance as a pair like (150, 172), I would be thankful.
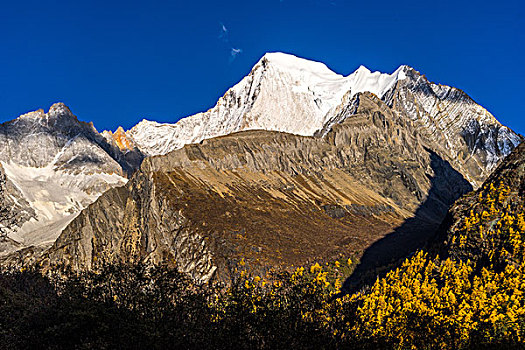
(316, 83)
(390, 143)
(267, 99)
(55, 165)
(267, 197)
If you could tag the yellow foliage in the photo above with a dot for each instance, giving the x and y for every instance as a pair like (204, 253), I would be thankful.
(316, 268)
(433, 302)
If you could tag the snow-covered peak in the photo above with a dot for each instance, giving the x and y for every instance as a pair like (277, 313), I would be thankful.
(155, 138)
(287, 93)
(291, 63)
(283, 92)
(362, 70)
(375, 82)
(146, 123)
(313, 72)
(328, 85)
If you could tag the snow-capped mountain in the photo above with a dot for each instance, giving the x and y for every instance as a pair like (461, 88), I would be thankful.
(290, 94)
(281, 93)
(54, 166)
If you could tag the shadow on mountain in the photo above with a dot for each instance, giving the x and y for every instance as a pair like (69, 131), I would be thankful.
(447, 185)
(425, 88)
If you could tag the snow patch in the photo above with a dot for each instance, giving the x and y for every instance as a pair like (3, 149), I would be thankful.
(56, 196)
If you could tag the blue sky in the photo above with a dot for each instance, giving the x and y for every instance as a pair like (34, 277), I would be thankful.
(116, 62)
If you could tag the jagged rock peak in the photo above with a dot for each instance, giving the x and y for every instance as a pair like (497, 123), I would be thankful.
(59, 108)
(33, 115)
(55, 166)
(120, 138)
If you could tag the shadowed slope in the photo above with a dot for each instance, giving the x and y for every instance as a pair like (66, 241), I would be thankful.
(447, 185)
(262, 199)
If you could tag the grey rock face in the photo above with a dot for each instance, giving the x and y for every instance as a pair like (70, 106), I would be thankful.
(270, 198)
(378, 165)
(473, 139)
(289, 94)
(55, 166)
(131, 224)
(13, 209)
(38, 139)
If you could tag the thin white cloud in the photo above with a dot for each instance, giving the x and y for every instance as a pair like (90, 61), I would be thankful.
(224, 36)
(234, 52)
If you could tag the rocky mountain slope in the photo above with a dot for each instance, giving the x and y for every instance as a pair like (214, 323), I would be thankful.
(290, 94)
(486, 226)
(54, 166)
(474, 139)
(263, 198)
(294, 163)
(466, 290)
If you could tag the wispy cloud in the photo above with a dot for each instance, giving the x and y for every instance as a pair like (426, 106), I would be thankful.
(225, 37)
(224, 33)
(234, 52)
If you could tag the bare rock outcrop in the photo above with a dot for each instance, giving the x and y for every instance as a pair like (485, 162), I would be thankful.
(269, 199)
